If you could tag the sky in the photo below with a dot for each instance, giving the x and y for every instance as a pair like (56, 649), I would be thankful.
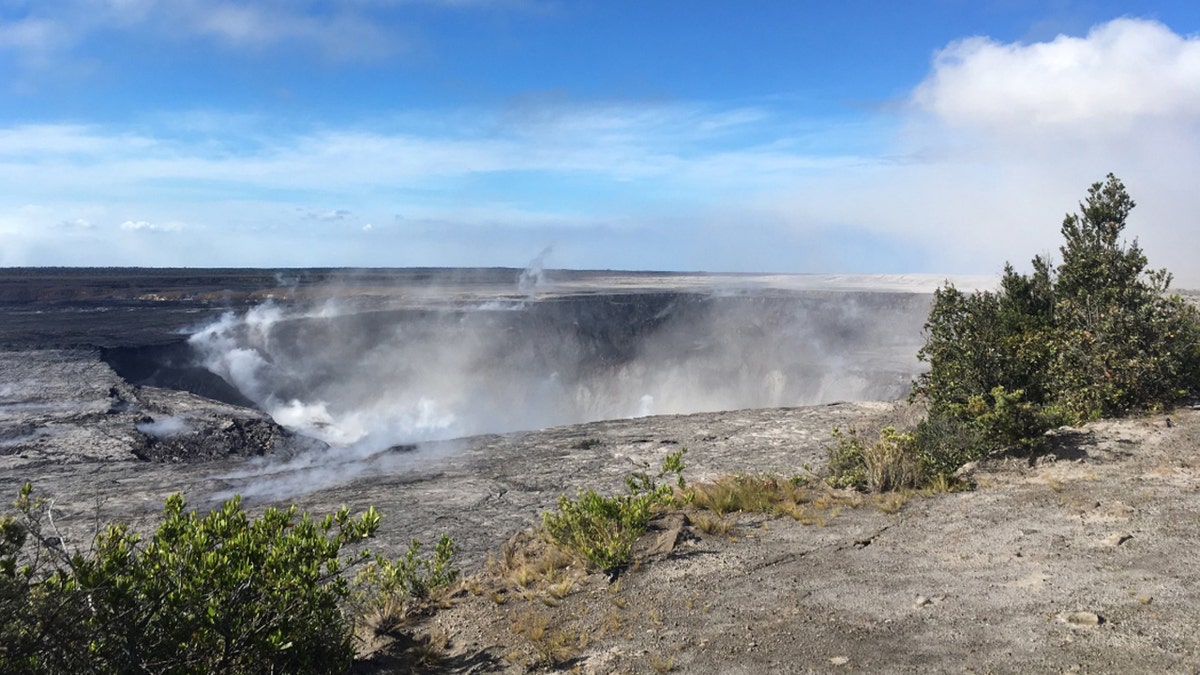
(939, 136)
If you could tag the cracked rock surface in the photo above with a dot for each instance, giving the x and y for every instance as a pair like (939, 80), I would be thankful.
(68, 406)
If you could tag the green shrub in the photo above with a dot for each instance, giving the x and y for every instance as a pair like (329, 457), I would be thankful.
(603, 529)
(41, 608)
(221, 592)
(411, 578)
(1095, 336)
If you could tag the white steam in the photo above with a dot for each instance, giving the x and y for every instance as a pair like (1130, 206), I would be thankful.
(333, 396)
(388, 386)
(533, 277)
(366, 381)
(646, 406)
(165, 427)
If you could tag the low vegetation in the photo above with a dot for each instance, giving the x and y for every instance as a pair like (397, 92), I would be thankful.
(603, 529)
(216, 593)
(893, 462)
(592, 538)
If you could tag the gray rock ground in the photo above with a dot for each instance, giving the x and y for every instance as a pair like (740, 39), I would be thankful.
(1079, 561)
(64, 429)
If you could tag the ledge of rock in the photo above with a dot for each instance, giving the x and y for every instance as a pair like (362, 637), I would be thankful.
(67, 406)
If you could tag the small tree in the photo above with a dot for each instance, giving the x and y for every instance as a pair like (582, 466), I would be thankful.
(1096, 336)
(1123, 343)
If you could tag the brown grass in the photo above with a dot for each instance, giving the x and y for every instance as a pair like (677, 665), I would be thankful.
(746, 493)
(562, 588)
(427, 651)
(709, 523)
(389, 618)
(550, 647)
(808, 504)
(890, 502)
(662, 664)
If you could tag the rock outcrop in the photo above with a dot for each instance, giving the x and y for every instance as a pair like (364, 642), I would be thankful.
(68, 406)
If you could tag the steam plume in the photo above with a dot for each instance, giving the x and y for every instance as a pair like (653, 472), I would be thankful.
(366, 379)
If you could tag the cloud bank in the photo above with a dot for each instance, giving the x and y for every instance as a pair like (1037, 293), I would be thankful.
(1124, 74)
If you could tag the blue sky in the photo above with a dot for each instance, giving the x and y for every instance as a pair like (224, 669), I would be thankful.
(944, 136)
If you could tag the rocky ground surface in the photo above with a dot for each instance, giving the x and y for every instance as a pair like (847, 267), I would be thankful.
(1076, 561)
(1081, 560)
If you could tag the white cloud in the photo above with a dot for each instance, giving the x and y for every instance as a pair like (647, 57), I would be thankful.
(1002, 139)
(342, 36)
(341, 31)
(33, 35)
(244, 24)
(602, 143)
(328, 215)
(144, 226)
(59, 141)
(1123, 73)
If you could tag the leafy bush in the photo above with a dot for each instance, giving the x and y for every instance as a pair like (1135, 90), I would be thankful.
(412, 578)
(959, 433)
(603, 529)
(1095, 336)
(220, 592)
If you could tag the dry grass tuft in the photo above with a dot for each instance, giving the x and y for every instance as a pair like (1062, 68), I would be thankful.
(662, 664)
(427, 651)
(1054, 484)
(553, 558)
(942, 484)
(611, 624)
(388, 618)
(709, 523)
(550, 647)
(561, 589)
(523, 576)
(532, 569)
(739, 493)
(807, 503)
(891, 502)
